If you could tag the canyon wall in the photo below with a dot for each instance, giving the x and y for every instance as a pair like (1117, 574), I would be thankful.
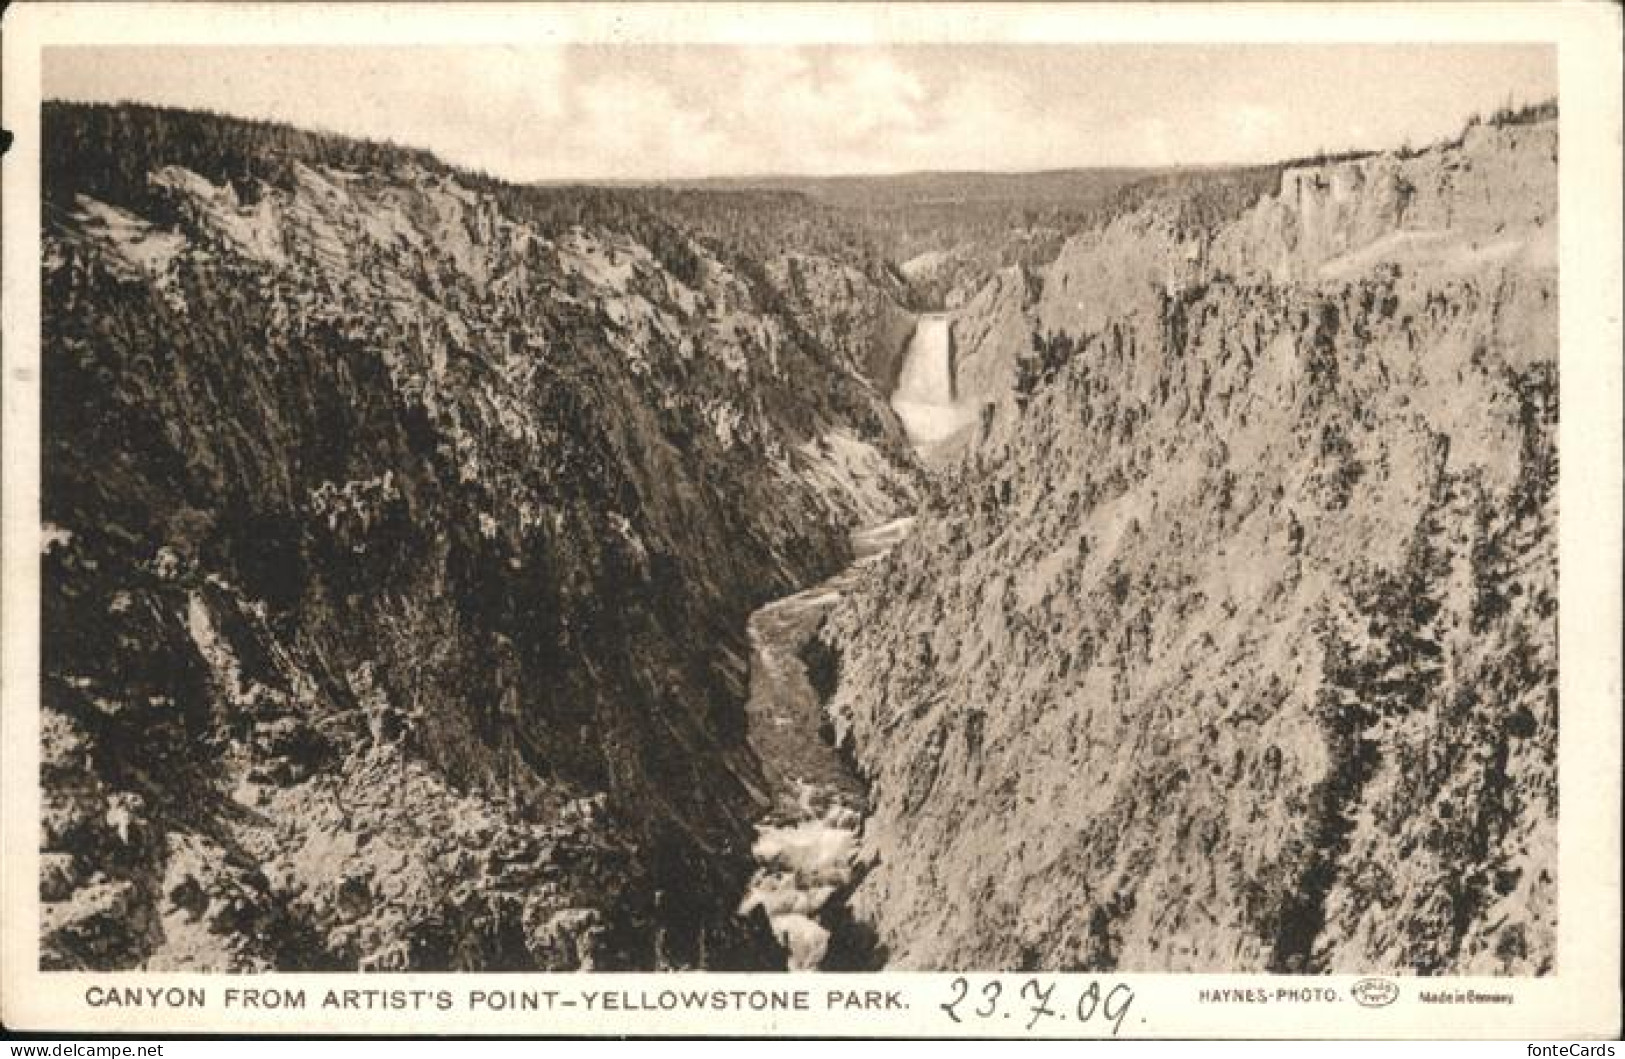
(401, 530)
(1231, 641)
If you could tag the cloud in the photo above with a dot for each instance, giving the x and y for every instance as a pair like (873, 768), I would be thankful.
(473, 106)
(987, 122)
(477, 107)
(806, 110)
(1152, 143)
(1254, 126)
(647, 111)
(871, 95)
(668, 113)
(634, 124)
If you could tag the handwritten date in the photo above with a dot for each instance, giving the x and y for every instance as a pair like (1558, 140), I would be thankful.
(1037, 1000)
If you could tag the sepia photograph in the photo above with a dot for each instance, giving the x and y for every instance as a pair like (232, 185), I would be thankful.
(642, 504)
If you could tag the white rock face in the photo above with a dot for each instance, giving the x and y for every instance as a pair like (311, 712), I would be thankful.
(1234, 644)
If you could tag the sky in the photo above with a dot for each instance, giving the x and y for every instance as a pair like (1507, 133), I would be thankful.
(655, 111)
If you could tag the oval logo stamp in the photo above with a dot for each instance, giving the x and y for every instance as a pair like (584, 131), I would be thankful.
(1374, 992)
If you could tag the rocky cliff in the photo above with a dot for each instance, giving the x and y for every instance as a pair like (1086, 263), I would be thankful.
(401, 529)
(1230, 643)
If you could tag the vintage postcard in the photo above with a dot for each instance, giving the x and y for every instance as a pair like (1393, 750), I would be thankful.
(839, 520)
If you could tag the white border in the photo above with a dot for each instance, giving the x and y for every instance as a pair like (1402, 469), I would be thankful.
(1581, 999)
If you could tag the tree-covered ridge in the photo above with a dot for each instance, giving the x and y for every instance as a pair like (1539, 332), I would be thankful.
(107, 151)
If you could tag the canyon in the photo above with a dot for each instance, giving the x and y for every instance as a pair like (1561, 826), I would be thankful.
(448, 575)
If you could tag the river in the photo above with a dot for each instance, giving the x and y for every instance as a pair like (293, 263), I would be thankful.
(807, 844)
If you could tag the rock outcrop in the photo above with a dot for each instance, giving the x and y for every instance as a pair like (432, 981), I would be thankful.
(1230, 644)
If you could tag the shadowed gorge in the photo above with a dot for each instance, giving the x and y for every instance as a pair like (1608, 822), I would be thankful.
(404, 527)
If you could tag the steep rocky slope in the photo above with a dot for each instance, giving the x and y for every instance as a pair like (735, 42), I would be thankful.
(1231, 641)
(402, 528)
